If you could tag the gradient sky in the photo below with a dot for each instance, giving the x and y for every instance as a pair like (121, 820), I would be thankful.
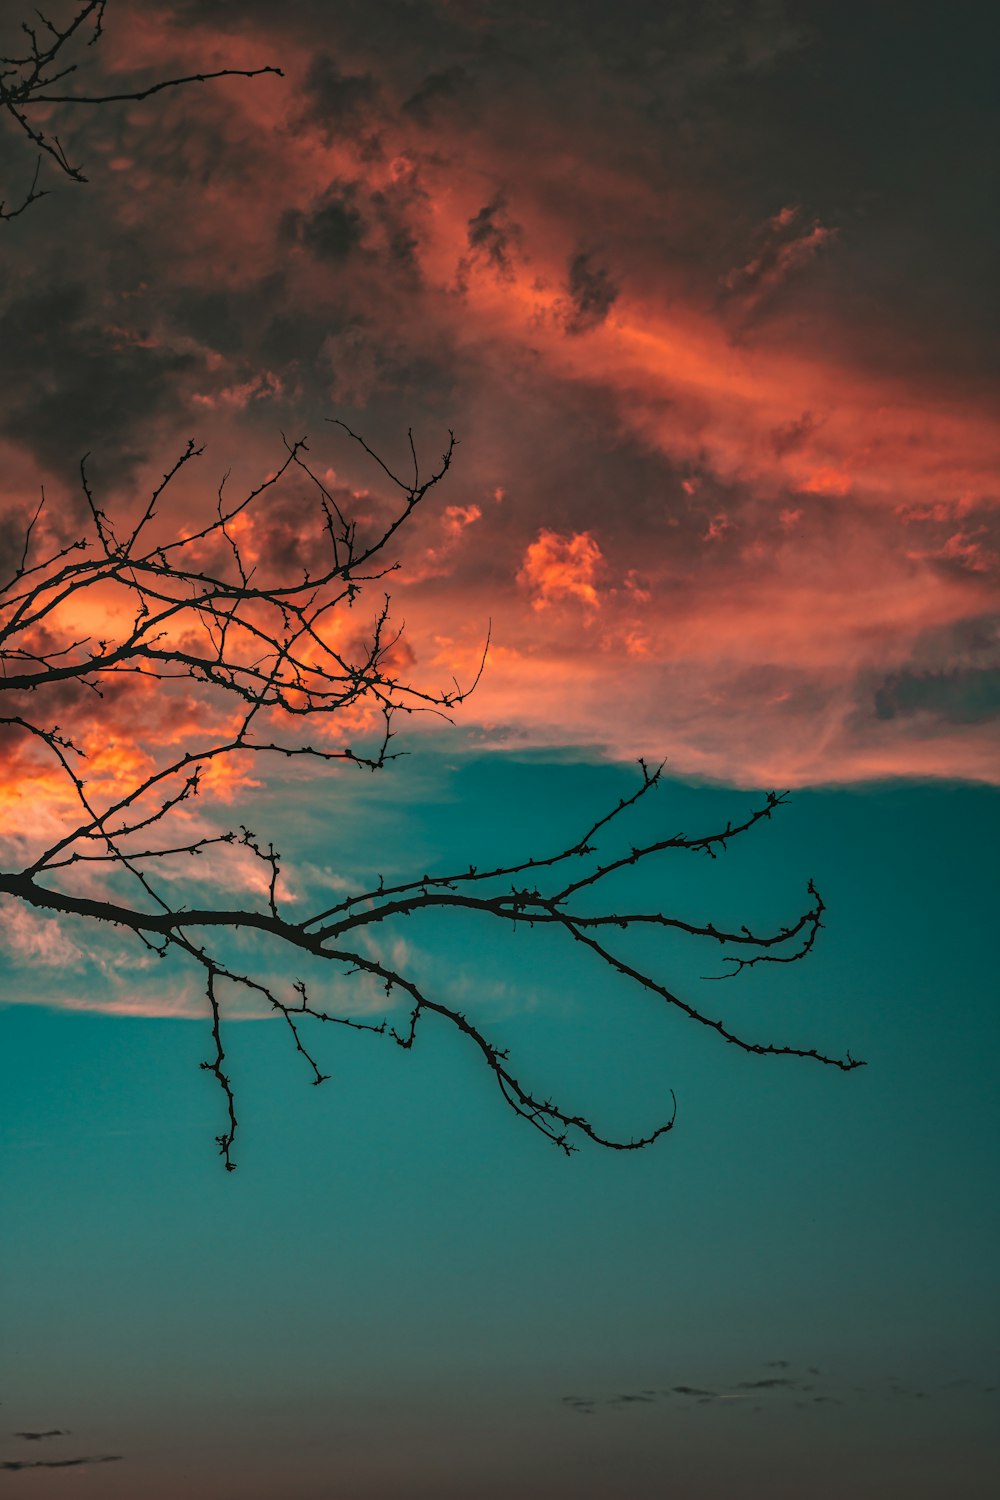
(706, 292)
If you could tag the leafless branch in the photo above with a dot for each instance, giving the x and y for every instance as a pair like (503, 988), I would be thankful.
(262, 651)
(30, 79)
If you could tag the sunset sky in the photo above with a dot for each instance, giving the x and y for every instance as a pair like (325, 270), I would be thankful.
(707, 294)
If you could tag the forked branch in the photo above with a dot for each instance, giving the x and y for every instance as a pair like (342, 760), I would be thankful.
(265, 652)
(35, 78)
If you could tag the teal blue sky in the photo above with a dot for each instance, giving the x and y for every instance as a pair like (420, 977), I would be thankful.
(400, 1285)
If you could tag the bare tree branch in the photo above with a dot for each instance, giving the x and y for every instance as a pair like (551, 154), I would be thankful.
(205, 609)
(50, 55)
(203, 617)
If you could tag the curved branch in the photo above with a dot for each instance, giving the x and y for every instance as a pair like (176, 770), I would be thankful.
(27, 80)
(266, 658)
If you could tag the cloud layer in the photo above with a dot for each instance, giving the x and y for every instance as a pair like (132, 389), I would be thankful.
(724, 497)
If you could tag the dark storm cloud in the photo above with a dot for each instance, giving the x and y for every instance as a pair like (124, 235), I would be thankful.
(437, 88)
(339, 103)
(334, 228)
(493, 237)
(967, 696)
(953, 676)
(684, 86)
(70, 384)
(870, 116)
(394, 27)
(392, 211)
(592, 294)
(661, 58)
(349, 222)
(36, 1437)
(865, 107)
(791, 435)
(288, 337)
(882, 124)
(229, 319)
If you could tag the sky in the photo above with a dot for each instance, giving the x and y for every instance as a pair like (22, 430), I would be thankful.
(706, 294)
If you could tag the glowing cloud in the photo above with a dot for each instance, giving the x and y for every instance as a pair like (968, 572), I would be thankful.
(557, 568)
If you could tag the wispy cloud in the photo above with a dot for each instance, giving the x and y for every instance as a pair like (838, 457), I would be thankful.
(800, 1389)
(15, 1464)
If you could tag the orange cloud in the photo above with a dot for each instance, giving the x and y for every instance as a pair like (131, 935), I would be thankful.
(556, 568)
(807, 511)
(439, 560)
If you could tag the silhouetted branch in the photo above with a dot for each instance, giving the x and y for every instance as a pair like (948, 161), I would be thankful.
(28, 78)
(264, 653)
